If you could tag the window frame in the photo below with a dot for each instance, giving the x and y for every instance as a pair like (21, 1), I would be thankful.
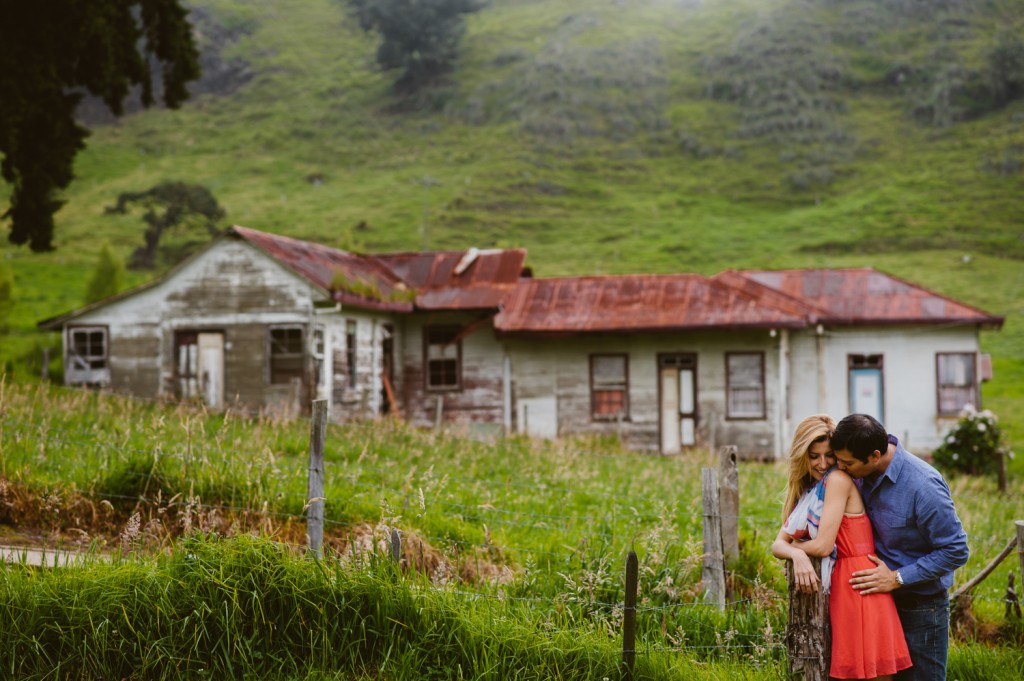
(300, 373)
(729, 415)
(595, 388)
(974, 399)
(456, 340)
(89, 374)
(351, 353)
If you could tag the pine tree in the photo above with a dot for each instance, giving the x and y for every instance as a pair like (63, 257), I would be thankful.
(107, 278)
(51, 53)
(420, 37)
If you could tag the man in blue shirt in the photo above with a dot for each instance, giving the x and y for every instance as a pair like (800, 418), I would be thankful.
(918, 537)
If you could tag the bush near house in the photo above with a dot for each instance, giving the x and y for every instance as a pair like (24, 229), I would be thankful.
(974, 445)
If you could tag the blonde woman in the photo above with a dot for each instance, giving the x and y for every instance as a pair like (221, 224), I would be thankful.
(823, 516)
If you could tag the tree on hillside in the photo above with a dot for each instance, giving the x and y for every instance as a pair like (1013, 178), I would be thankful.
(168, 205)
(51, 53)
(107, 278)
(421, 37)
(1006, 67)
(6, 295)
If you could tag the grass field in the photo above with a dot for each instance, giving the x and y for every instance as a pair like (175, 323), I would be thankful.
(512, 552)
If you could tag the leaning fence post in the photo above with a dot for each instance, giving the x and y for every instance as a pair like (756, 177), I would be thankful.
(629, 615)
(729, 501)
(713, 572)
(1020, 550)
(808, 638)
(315, 496)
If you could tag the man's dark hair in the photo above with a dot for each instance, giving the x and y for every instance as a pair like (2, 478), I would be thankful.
(860, 435)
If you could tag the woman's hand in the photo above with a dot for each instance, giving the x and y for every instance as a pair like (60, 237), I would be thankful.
(804, 574)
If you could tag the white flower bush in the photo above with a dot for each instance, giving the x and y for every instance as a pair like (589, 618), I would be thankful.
(974, 445)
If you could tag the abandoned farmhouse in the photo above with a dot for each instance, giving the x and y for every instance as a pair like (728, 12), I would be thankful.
(262, 322)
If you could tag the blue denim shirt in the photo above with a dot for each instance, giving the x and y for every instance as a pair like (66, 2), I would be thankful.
(917, 530)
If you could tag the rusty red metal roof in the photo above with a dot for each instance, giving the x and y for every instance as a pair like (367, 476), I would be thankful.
(459, 280)
(350, 278)
(642, 303)
(867, 296)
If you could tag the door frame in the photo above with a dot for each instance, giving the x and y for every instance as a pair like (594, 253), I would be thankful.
(669, 360)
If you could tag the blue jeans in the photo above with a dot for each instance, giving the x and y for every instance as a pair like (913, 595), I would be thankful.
(926, 627)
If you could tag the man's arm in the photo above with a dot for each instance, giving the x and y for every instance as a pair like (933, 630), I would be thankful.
(938, 523)
(941, 530)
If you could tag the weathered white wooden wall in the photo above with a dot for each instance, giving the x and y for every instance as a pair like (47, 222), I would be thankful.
(557, 372)
(232, 288)
(478, 406)
(820, 377)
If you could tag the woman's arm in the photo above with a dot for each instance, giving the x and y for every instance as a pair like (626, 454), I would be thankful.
(836, 492)
(783, 547)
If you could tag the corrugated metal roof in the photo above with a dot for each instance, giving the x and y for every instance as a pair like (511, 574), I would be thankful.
(459, 280)
(352, 279)
(867, 296)
(642, 303)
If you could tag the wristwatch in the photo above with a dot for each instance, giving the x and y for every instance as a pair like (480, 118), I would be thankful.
(899, 578)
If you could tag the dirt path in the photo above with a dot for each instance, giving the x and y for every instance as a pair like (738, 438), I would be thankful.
(36, 556)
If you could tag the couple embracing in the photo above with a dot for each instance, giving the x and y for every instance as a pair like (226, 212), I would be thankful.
(884, 524)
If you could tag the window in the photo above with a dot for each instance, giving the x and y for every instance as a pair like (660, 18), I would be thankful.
(443, 358)
(609, 387)
(186, 363)
(350, 351)
(286, 354)
(744, 385)
(957, 386)
(87, 355)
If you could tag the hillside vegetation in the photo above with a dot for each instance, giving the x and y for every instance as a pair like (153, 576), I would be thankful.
(604, 136)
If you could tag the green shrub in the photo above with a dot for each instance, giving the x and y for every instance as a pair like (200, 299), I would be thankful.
(974, 445)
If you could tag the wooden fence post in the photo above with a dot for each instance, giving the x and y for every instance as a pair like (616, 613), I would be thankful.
(629, 615)
(315, 495)
(729, 500)
(1001, 475)
(396, 546)
(808, 634)
(1020, 551)
(713, 571)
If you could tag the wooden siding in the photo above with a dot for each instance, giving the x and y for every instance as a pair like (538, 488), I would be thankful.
(560, 369)
(231, 288)
(479, 400)
(909, 379)
(134, 354)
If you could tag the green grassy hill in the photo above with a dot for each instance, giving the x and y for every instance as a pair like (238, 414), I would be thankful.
(604, 136)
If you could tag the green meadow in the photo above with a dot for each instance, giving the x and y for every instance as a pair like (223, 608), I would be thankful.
(512, 553)
(604, 137)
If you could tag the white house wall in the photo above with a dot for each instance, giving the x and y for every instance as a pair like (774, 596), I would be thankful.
(479, 404)
(360, 397)
(231, 288)
(560, 369)
(820, 377)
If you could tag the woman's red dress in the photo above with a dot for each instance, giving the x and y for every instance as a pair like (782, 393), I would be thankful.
(867, 637)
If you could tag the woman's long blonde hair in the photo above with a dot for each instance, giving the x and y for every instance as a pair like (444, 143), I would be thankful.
(812, 429)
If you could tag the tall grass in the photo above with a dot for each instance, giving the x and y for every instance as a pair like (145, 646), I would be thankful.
(526, 536)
